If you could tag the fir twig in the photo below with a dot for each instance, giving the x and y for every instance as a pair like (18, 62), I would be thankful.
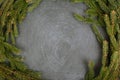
(107, 15)
(12, 12)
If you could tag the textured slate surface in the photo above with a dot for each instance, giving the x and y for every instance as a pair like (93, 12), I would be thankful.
(56, 44)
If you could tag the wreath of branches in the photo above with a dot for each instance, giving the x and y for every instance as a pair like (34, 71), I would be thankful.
(100, 13)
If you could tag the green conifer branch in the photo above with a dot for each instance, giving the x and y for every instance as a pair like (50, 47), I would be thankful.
(104, 13)
(12, 12)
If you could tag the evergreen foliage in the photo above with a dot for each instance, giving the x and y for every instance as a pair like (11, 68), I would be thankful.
(105, 14)
(100, 13)
(12, 12)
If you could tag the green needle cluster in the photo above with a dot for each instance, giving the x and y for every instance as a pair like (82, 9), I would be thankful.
(104, 14)
(12, 12)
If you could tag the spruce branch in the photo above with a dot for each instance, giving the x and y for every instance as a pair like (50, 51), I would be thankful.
(33, 4)
(104, 13)
(12, 67)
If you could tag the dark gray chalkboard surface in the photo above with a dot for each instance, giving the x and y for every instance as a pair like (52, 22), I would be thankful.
(56, 44)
